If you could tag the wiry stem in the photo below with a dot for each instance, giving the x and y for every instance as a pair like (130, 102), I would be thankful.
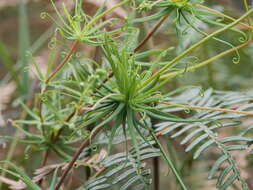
(249, 19)
(43, 163)
(156, 173)
(169, 162)
(151, 33)
(206, 62)
(223, 15)
(156, 164)
(171, 75)
(207, 108)
(64, 61)
(75, 157)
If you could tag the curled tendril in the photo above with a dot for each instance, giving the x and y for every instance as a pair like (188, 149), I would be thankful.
(60, 25)
(43, 15)
(243, 38)
(94, 148)
(62, 32)
(52, 43)
(58, 31)
(78, 54)
(187, 110)
(236, 59)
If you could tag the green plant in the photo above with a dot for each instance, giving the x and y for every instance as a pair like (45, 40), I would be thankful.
(123, 99)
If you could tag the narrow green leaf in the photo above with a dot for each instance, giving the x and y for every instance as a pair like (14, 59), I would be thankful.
(216, 166)
(196, 142)
(202, 148)
(24, 43)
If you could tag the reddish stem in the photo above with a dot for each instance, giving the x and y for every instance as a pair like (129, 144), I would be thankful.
(58, 68)
(75, 157)
(64, 61)
(151, 33)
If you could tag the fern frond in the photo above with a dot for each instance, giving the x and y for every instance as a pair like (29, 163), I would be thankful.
(200, 136)
(122, 170)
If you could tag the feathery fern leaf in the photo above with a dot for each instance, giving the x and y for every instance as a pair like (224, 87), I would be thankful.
(200, 136)
(122, 170)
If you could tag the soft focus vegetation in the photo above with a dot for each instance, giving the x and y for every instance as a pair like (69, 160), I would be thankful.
(126, 94)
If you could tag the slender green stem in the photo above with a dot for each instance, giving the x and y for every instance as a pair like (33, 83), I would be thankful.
(167, 77)
(8, 158)
(204, 63)
(85, 143)
(193, 47)
(245, 2)
(93, 21)
(169, 162)
(150, 34)
(207, 108)
(223, 15)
